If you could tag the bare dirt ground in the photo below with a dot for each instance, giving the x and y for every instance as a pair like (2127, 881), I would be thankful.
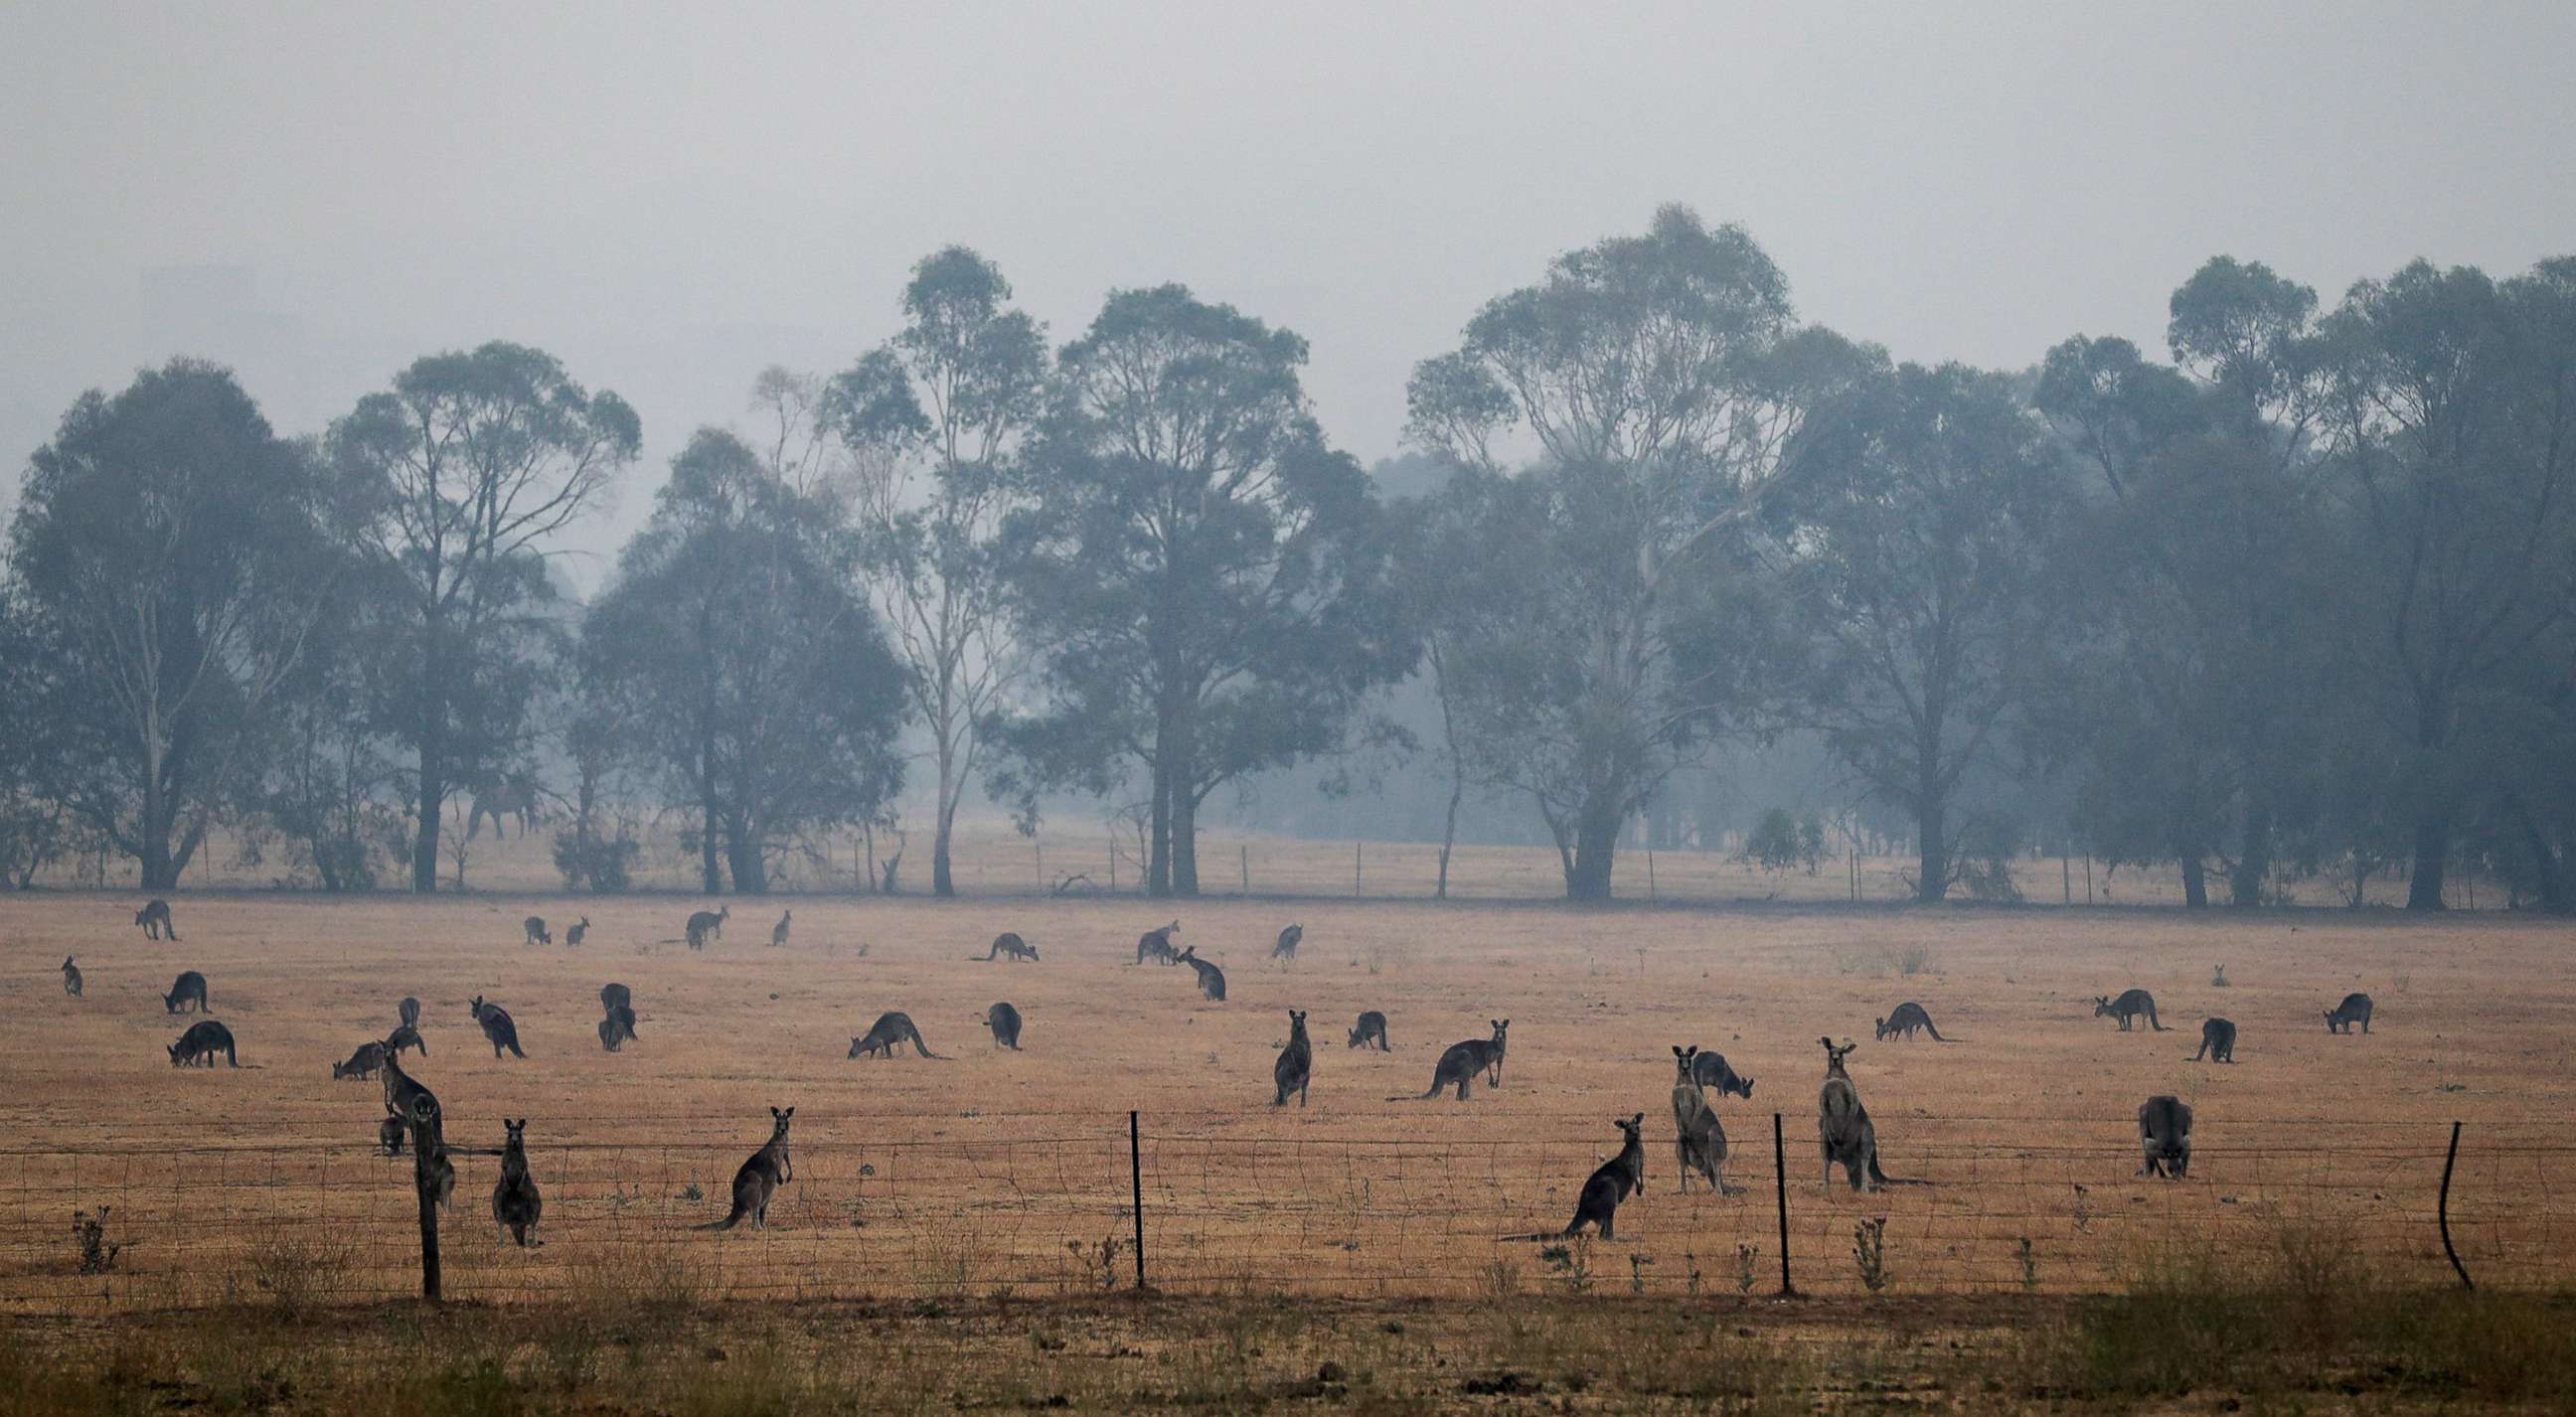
(992, 1173)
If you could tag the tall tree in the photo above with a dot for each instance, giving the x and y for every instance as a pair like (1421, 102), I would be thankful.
(1920, 553)
(934, 416)
(735, 650)
(469, 466)
(1663, 383)
(35, 718)
(1202, 578)
(174, 544)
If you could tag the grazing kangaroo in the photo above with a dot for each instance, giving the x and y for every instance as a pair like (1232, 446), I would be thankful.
(1608, 1185)
(515, 1202)
(1370, 1031)
(409, 1008)
(613, 997)
(1460, 1062)
(189, 988)
(760, 1177)
(1008, 945)
(368, 1061)
(71, 977)
(1157, 945)
(497, 1027)
(889, 1030)
(1211, 978)
(574, 932)
(1906, 1018)
(1711, 1071)
(537, 934)
(155, 920)
(2164, 1138)
(1005, 1023)
(778, 932)
(618, 1027)
(204, 1039)
(403, 1037)
(706, 925)
(1699, 1140)
(2128, 1006)
(1296, 1065)
(2355, 1008)
(2217, 1041)
(1843, 1128)
(1289, 939)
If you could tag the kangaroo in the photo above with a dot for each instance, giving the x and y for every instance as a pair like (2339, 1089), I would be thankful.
(368, 1061)
(403, 1093)
(155, 920)
(617, 1028)
(574, 932)
(1699, 1140)
(2128, 1006)
(1460, 1062)
(706, 925)
(1296, 1065)
(2355, 1008)
(889, 1030)
(1157, 945)
(760, 1177)
(1370, 1031)
(1005, 1023)
(189, 988)
(409, 1008)
(537, 934)
(778, 932)
(1843, 1128)
(1211, 978)
(515, 1202)
(2164, 1137)
(613, 997)
(1906, 1018)
(497, 1027)
(405, 1037)
(1711, 1072)
(2217, 1041)
(1289, 939)
(204, 1039)
(1007, 945)
(71, 977)
(1610, 1183)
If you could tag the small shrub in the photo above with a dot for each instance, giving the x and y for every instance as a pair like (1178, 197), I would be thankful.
(89, 1231)
(298, 1268)
(1570, 1265)
(1745, 1255)
(2029, 1267)
(1869, 1253)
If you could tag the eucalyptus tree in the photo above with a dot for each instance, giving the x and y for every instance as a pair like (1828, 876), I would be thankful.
(173, 546)
(1661, 383)
(467, 469)
(934, 418)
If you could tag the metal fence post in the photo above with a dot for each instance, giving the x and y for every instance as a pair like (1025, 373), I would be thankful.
(1136, 1184)
(2444, 1211)
(1780, 1186)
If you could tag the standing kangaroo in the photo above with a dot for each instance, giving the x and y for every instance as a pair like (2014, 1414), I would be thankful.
(409, 1008)
(497, 1027)
(760, 1177)
(537, 934)
(189, 988)
(1296, 1065)
(403, 1093)
(1699, 1140)
(706, 925)
(2355, 1008)
(155, 920)
(365, 1063)
(2129, 1005)
(2217, 1041)
(1843, 1128)
(1211, 978)
(1460, 1062)
(1712, 1073)
(71, 977)
(574, 932)
(778, 932)
(515, 1202)
(204, 1039)
(617, 1027)
(889, 1030)
(1008, 945)
(1156, 944)
(1609, 1184)
(613, 997)
(1289, 939)
(1005, 1023)
(1905, 1019)
(2164, 1137)
(1370, 1031)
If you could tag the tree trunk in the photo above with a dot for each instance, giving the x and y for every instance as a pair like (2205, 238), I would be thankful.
(944, 823)
(2551, 885)
(431, 803)
(2195, 882)
(2253, 863)
(1932, 853)
(1449, 833)
(1185, 842)
(1596, 843)
(1158, 829)
(2432, 855)
(742, 853)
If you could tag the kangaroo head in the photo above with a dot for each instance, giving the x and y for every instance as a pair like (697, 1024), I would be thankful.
(1629, 1126)
(780, 1118)
(1682, 1060)
(1880, 1028)
(724, 912)
(1191, 953)
(477, 1006)
(1297, 1019)
(67, 961)
(1834, 1056)
(174, 1053)
(1501, 1025)
(514, 1133)
(2101, 1005)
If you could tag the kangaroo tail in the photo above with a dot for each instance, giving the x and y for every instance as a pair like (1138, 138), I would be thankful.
(1884, 1179)
(739, 1211)
(1532, 1236)
(1937, 1038)
(514, 1049)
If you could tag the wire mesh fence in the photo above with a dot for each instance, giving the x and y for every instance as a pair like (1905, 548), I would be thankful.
(1037, 1204)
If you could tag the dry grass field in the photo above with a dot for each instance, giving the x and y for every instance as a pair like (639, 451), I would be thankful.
(989, 1173)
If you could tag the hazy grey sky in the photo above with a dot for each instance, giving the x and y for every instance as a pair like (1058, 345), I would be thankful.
(670, 197)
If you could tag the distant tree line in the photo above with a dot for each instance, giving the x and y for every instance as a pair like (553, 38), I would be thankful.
(2297, 601)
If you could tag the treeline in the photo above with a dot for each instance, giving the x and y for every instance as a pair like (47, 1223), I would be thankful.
(2299, 600)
